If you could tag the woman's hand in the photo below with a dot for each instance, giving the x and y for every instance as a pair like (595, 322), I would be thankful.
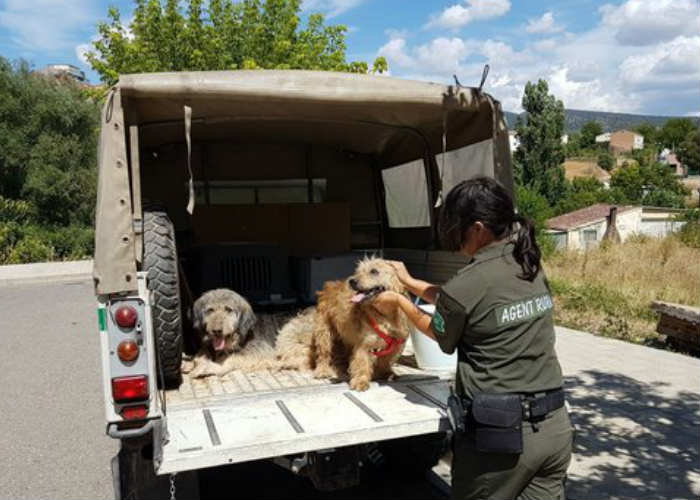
(386, 302)
(401, 271)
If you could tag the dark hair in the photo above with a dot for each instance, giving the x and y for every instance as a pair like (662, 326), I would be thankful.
(485, 200)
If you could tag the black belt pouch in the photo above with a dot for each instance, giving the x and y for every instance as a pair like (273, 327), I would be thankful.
(498, 420)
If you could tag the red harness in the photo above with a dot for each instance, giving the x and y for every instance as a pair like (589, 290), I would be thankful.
(392, 343)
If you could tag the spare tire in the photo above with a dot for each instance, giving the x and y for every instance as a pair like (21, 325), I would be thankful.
(160, 262)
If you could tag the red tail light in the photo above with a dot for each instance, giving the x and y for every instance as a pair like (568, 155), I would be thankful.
(126, 317)
(130, 388)
(135, 412)
(128, 350)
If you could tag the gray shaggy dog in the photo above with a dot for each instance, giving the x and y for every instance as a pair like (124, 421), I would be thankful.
(224, 322)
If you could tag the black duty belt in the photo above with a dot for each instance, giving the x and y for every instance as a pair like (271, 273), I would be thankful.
(535, 406)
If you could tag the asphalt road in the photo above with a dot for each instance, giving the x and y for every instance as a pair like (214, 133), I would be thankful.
(52, 439)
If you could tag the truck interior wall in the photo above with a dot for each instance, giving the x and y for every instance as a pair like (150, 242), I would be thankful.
(347, 218)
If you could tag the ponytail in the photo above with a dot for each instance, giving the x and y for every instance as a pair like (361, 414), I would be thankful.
(526, 252)
(485, 200)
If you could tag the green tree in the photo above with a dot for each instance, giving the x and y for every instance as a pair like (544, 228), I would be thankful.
(48, 140)
(538, 161)
(649, 131)
(606, 161)
(190, 35)
(582, 192)
(689, 152)
(674, 132)
(573, 146)
(647, 183)
(534, 206)
(589, 131)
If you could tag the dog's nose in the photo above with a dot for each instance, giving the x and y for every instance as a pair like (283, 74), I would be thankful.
(217, 331)
(353, 282)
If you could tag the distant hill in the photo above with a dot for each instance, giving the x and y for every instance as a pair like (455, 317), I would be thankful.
(575, 118)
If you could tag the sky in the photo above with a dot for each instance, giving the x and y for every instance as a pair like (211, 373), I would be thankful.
(635, 56)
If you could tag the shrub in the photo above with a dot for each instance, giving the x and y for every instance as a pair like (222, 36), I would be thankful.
(606, 161)
(30, 249)
(690, 232)
(534, 206)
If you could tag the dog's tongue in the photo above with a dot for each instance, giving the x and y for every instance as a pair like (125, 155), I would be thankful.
(218, 343)
(357, 298)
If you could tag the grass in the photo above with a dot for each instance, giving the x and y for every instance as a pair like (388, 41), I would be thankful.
(608, 290)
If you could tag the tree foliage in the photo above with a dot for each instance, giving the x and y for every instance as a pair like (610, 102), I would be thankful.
(650, 132)
(606, 160)
(534, 206)
(689, 152)
(190, 35)
(675, 131)
(582, 192)
(538, 161)
(48, 139)
(648, 183)
(589, 131)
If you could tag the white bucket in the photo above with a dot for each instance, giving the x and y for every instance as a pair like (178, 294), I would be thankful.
(429, 356)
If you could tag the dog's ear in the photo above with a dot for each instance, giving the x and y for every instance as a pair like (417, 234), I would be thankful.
(396, 284)
(247, 321)
(198, 315)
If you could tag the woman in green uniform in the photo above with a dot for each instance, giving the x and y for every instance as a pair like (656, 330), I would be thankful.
(497, 312)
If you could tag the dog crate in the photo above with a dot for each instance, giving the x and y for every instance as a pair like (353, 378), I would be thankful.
(310, 273)
(260, 273)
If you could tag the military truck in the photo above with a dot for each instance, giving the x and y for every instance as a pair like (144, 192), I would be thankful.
(270, 183)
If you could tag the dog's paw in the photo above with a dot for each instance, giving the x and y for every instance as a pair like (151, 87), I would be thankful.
(201, 371)
(187, 366)
(360, 384)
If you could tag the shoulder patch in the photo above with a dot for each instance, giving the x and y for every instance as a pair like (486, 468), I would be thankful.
(438, 322)
(522, 310)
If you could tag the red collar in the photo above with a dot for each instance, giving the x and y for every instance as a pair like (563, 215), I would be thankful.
(392, 343)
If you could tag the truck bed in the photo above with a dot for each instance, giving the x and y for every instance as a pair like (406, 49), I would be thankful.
(257, 415)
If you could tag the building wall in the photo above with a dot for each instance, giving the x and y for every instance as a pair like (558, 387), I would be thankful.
(514, 142)
(660, 228)
(590, 235)
(624, 140)
(659, 222)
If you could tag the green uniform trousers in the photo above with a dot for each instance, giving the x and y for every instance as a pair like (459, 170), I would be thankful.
(538, 473)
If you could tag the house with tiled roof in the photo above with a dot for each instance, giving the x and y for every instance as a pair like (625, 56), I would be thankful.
(585, 228)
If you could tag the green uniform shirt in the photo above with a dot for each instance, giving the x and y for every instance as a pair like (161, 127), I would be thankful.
(501, 324)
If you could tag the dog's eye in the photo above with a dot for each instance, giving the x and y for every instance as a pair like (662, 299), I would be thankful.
(228, 309)
(209, 310)
(373, 272)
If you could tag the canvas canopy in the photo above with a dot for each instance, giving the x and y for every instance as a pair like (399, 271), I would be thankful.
(396, 121)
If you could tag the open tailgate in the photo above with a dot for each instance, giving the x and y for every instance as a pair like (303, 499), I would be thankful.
(260, 415)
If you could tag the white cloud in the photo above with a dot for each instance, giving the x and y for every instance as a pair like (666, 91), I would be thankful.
(598, 69)
(459, 15)
(545, 45)
(646, 22)
(45, 25)
(587, 70)
(544, 24)
(331, 8)
(670, 64)
(81, 50)
(395, 53)
(440, 56)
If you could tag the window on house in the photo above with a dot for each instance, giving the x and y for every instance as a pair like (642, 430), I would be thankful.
(590, 237)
